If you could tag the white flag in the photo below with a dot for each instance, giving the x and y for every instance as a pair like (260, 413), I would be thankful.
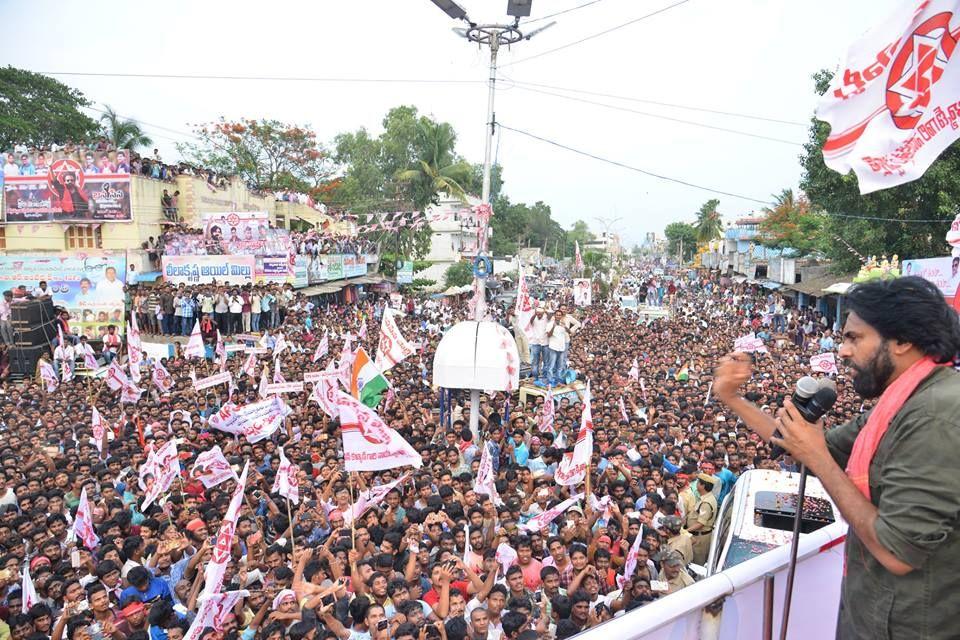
(279, 346)
(66, 373)
(28, 592)
(90, 358)
(486, 480)
(322, 347)
(538, 522)
(49, 375)
(634, 373)
(99, 427)
(162, 379)
(134, 348)
(264, 381)
(286, 482)
(130, 394)
(894, 107)
(371, 497)
(195, 348)
(824, 363)
(524, 306)
(325, 393)
(158, 473)
(221, 351)
(572, 469)
(506, 556)
(211, 468)
(250, 366)
(393, 347)
(213, 612)
(213, 574)
(368, 443)
(83, 523)
(631, 564)
(548, 413)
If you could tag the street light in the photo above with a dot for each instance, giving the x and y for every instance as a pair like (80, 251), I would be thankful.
(451, 8)
(519, 8)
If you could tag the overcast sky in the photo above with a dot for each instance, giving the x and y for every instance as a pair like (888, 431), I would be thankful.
(751, 57)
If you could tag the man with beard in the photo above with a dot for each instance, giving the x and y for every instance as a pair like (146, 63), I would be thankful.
(71, 199)
(900, 493)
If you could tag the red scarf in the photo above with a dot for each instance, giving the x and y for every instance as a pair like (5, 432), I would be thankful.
(892, 400)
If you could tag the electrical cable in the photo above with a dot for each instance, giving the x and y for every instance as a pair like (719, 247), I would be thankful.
(596, 35)
(180, 76)
(560, 13)
(662, 117)
(732, 114)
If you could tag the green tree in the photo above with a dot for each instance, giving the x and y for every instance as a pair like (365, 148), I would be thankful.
(595, 262)
(123, 134)
(792, 224)
(37, 111)
(709, 224)
(436, 170)
(265, 154)
(681, 233)
(458, 274)
(932, 197)
(579, 232)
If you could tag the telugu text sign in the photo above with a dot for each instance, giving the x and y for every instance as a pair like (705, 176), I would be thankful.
(235, 270)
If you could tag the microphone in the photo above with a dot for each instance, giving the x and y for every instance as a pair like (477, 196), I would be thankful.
(812, 406)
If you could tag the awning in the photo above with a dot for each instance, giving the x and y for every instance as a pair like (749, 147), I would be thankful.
(822, 285)
(770, 284)
(839, 288)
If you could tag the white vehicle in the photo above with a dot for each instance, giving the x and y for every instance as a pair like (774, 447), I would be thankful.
(752, 539)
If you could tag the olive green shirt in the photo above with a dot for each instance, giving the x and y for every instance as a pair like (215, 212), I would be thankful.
(915, 485)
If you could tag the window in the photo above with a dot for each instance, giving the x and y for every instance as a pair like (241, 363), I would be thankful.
(3, 237)
(84, 237)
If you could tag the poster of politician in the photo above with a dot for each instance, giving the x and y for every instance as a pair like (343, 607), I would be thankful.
(82, 186)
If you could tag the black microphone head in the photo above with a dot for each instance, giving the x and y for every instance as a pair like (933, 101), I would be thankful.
(822, 401)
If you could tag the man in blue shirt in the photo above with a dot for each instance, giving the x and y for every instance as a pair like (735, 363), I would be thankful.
(145, 587)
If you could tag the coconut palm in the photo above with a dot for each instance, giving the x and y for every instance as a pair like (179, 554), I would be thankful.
(437, 169)
(709, 224)
(123, 134)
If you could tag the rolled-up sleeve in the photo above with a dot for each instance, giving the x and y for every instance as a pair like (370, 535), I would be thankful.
(920, 488)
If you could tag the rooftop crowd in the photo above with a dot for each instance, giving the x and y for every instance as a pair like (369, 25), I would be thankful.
(436, 558)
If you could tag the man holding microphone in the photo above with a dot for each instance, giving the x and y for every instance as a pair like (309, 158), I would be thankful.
(892, 470)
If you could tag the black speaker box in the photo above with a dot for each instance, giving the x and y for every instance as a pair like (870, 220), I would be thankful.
(23, 360)
(39, 335)
(31, 313)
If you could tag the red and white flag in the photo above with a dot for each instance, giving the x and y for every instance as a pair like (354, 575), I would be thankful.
(277, 375)
(99, 427)
(623, 410)
(83, 523)
(548, 413)
(577, 258)
(162, 379)
(362, 334)
(894, 108)
(213, 612)
(49, 375)
(195, 348)
(524, 306)
(221, 351)
(572, 469)
(322, 347)
(158, 473)
(28, 592)
(634, 373)
(89, 357)
(486, 480)
(506, 556)
(116, 377)
(264, 381)
(371, 497)
(213, 573)
(631, 564)
(211, 468)
(130, 394)
(824, 363)
(286, 482)
(393, 347)
(250, 366)
(66, 373)
(539, 521)
(279, 346)
(368, 443)
(325, 393)
(134, 348)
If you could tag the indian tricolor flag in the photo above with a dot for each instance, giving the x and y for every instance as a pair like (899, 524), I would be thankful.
(367, 384)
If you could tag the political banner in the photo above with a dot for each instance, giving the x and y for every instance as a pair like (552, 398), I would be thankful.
(824, 363)
(300, 275)
(943, 272)
(749, 344)
(296, 386)
(88, 285)
(233, 270)
(184, 244)
(255, 421)
(211, 468)
(404, 271)
(353, 265)
(221, 378)
(582, 293)
(244, 233)
(223, 548)
(893, 108)
(368, 443)
(79, 187)
(335, 267)
(573, 467)
(542, 520)
(392, 347)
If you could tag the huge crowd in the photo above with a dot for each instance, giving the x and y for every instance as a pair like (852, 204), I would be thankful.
(437, 557)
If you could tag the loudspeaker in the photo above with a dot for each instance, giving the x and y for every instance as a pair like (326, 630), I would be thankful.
(31, 313)
(23, 360)
(38, 335)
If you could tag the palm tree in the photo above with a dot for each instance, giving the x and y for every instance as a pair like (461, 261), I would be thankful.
(437, 170)
(709, 224)
(123, 134)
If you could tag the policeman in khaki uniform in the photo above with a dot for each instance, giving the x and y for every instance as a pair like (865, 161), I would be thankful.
(678, 539)
(700, 522)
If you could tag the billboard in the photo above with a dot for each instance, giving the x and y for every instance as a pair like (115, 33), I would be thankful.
(300, 273)
(943, 272)
(404, 271)
(244, 233)
(83, 186)
(89, 286)
(334, 266)
(234, 270)
(276, 269)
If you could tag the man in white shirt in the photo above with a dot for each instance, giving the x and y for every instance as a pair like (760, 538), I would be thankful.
(42, 291)
(559, 331)
(538, 345)
(63, 356)
(6, 326)
(110, 289)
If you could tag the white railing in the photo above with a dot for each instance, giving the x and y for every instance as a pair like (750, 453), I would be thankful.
(682, 615)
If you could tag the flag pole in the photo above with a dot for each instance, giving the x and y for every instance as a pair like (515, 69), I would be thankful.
(293, 546)
(353, 528)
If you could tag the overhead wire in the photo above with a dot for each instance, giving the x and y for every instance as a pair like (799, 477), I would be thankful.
(596, 35)
(560, 13)
(179, 76)
(661, 117)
